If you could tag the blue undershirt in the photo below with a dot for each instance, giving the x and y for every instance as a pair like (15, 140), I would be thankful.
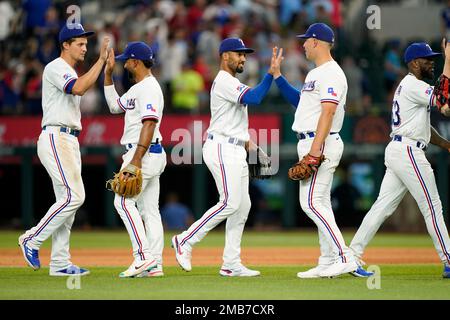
(290, 93)
(255, 95)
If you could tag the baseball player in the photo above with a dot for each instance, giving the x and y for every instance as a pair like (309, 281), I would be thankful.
(224, 152)
(143, 106)
(407, 168)
(59, 151)
(318, 120)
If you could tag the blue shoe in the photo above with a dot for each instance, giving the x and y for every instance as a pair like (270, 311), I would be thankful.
(361, 273)
(446, 273)
(31, 255)
(73, 270)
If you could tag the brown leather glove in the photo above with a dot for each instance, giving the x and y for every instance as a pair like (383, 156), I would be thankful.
(305, 168)
(127, 183)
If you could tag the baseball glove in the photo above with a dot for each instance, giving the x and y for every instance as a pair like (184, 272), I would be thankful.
(262, 168)
(305, 168)
(127, 183)
(441, 93)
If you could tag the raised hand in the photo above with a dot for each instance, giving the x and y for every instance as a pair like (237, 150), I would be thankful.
(104, 49)
(110, 62)
(275, 62)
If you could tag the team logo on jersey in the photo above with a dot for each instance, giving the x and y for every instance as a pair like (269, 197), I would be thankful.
(331, 91)
(66, 76)
(150, 107)
(429, 91)
(309, 86)
(241, 87)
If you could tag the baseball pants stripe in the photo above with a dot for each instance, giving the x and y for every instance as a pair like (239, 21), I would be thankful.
(133, 227)
(322, 219)
(69, 195)
(224, 183)
(430, 205)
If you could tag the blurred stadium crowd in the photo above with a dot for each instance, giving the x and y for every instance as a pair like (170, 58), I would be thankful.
(185, 36)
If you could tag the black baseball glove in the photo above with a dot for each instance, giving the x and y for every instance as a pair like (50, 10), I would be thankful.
(441, 92)
(259, 164)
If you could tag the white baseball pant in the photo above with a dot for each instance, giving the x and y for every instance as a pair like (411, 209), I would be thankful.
(59, 153)
(140, 214)
(227, 163)
(315, 200)
(407, 169)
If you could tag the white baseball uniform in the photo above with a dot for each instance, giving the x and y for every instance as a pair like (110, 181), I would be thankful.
(142, 101)
(225, 155)
(407, 168)
(325, 83)
(59, 152)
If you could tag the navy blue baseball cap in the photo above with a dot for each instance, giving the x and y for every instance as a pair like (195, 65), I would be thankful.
(320, 31)
(234, 44)
(418, 50)
(136, 50)
(73, 30)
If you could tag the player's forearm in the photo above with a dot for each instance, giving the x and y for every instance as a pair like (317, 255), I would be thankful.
(291, 94)
(438, 140)
(112, 99)
(322, 131)
(255, 95)
(446, 70)
(108, 81)
(145, 139)
(86, 81)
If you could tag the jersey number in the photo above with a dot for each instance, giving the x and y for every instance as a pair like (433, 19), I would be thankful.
(395, 114)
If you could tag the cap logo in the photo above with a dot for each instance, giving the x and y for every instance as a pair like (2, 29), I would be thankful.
(428, 47)
(242, 42)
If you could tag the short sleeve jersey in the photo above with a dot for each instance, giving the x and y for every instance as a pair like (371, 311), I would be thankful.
(59, 106)
(413, 100)
(229, 117)
(326, 83)
(142, 101)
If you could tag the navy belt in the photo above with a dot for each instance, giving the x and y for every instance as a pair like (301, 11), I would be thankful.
(301, 135)
(234, 141)
(154, 147)
(418, 144)
(68, 130)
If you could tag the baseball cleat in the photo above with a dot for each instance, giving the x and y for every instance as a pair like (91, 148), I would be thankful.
(446, 273)
(312, 273)
(183, 255)
(155, 272)
(31, 255)
(339, 268)
(72, 270)
(137, 268)
(240, 271)
(361, 272)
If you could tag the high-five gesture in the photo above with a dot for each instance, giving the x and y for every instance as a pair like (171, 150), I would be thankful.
(275, 62)
(110, 62)
(104, 49)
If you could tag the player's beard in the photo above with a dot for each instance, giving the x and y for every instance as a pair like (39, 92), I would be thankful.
(239, 69)
(428, 73)
(130, 76)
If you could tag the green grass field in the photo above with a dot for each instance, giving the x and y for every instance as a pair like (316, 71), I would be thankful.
(120, 239)
(204, 283)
